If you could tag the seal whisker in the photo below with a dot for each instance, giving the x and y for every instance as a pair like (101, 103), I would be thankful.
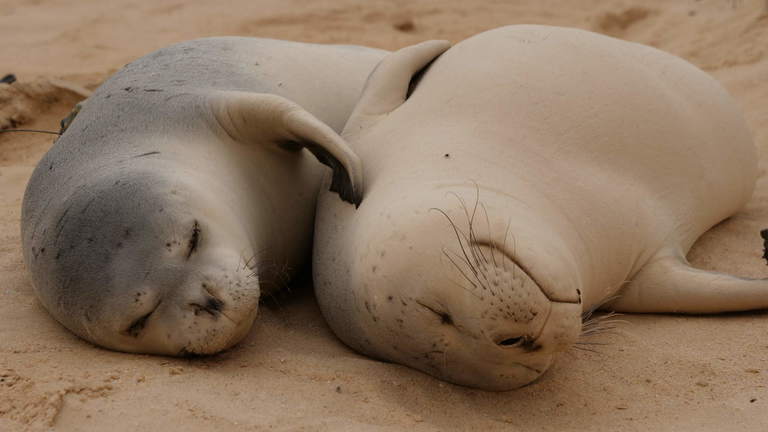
(445, 252)
(247, 263)
(504, 247)
(493, 248)
(470, 219)
(458, 237)
(587, 314)
(590, 343)
(601, 330)
(581, 348)
(473, 235)
(251, 263)
(475, 274)
(475, 259)
(597, 326)
(479, 259)
(483, 282)
(466, 289)
(605, 320)
(485, 272)
(602, 320)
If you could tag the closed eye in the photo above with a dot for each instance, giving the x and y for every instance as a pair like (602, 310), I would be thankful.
(445, 317)
(194, 240)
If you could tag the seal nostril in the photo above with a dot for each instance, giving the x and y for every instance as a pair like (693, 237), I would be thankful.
(511, 341)
(527, 343)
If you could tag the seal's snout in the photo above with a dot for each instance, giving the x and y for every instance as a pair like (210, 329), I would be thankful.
(520, 310)
(451, 299)
(521, 329)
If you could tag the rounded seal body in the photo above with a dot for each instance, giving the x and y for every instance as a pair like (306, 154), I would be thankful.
(522, 180)
(157, 219)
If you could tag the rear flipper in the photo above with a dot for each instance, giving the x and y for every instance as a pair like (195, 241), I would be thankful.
(668, 284)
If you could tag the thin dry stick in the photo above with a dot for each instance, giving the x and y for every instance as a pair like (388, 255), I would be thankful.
(30, 130)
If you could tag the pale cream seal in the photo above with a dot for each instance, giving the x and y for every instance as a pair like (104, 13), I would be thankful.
(529, 175)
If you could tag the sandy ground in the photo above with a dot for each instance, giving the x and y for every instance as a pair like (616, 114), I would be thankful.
(661, 373)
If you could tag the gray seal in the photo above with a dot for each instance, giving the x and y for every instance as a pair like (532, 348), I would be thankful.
(185, 188)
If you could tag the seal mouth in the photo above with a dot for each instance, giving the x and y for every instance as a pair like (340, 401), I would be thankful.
(137, 326)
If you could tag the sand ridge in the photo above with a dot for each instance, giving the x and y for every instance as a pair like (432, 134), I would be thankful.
(291, 373)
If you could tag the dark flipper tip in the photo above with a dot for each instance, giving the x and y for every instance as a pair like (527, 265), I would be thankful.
(341, 183)
(764, 235)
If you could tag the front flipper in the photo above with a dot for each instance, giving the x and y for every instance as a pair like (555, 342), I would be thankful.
(668, 284)
(259, 118)
(390, 82)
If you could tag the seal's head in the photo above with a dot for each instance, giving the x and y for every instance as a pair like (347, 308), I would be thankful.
(438, 288)
(145, 264)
